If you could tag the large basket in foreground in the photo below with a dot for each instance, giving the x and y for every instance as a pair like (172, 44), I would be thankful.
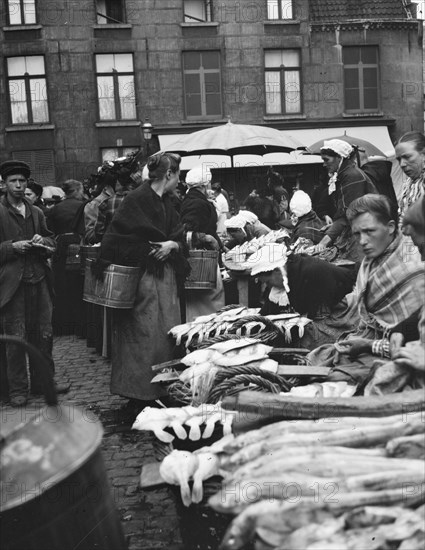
(203, 273)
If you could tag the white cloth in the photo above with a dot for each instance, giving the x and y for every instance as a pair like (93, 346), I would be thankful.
(199, 176)
(267, 258)
(300, 204)
(338, 146)
(222, 211)
(235, 222)
(248, 216)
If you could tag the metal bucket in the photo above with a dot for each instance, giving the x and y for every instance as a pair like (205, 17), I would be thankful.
(55, 493)
(88, 252)
(117, 289)
(203, 275)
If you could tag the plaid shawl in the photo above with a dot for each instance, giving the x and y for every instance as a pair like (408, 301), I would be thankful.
(390, 290)
(411, 191)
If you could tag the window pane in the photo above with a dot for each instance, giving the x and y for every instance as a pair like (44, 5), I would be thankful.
(194, 10)
(286, 6)
(212, 83)
(40, 111)
(18, 103)
(213, 104)
(351, 78)
(15, 16)
(352, 100)
(210, 60)
(278, 58)
(193, 105)
(35, 64)
(127, 97)
(370, 98)
(273, 99)
(123, 62)
(16, 66)
(104, 63)
(192, 84)
(191, 60)
(29, 12)
(272, 9)
(38, 91)
(292, 92)
(369, 55)
(370, 78)
(290, 58)
(105, 86)
(351, 56)
(101, 11)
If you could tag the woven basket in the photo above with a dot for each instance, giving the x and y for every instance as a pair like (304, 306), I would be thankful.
(203, 273)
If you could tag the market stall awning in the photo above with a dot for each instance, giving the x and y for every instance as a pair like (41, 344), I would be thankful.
(377, 135)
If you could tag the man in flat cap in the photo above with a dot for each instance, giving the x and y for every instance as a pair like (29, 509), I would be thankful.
(25, 281)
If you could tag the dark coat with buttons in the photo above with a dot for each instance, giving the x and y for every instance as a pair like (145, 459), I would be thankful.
(13, 229)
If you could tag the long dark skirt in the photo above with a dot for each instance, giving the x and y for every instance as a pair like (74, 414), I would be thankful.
(140, 336)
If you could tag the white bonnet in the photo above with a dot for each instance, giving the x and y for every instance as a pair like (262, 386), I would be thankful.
(198, 177)
(338, 146)
(300, 204)
(248, 216)
(235, 222)
(268, 258)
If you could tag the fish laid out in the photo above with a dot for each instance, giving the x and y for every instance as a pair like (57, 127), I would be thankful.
(179, 467)
(201, 421)
(240, 252)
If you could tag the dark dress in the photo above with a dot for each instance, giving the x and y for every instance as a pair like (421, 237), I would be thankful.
(308, 227)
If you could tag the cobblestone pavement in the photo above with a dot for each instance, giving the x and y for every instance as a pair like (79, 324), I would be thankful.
(149, 518)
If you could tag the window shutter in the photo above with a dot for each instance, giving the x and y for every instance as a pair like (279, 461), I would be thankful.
(42, 164)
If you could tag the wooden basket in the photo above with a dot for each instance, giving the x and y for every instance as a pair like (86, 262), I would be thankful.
(203, 275)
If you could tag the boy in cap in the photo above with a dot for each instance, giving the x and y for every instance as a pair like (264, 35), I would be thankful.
(25, 286)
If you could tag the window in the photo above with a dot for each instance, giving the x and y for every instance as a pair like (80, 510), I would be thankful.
(280, 9)
(21, 12)
(115, 85)
(110, 12)
(114, 153)
(27, 89)
(202, 84)
(361, 90)
(42, 164)
(197, 11)
(282, 81)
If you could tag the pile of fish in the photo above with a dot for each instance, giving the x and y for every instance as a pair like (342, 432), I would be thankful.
(184, 419)
(238, 321)
(240, 253)
(336, 484)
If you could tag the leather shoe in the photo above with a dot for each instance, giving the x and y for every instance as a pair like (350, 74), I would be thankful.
(18, 401)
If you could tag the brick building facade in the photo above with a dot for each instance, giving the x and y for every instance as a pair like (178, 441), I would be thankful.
(79, 77)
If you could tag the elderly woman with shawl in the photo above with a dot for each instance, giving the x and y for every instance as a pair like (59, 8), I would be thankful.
(145, 232)
(199, 218)
(307, 225)
(389, 293)
(346, 183)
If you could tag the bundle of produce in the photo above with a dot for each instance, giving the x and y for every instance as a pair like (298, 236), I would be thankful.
(237, 322)
(184, 422)
(240, 253)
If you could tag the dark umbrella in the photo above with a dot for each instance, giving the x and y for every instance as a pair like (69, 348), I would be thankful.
(360, 144)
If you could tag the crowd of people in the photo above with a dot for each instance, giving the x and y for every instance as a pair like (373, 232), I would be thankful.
(369, 287)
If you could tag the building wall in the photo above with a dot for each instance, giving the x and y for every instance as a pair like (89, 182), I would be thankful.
(68, 36)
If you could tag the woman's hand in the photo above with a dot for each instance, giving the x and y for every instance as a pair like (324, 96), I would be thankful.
(37, 239)
(211, 242)
(355, 347)
(162, 250)
(328, 220)
(412, 356)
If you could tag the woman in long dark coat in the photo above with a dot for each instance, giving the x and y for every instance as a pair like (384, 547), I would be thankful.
(199, 215)
(145, 232)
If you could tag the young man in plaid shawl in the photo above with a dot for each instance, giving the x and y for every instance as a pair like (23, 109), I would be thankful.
(389, 293)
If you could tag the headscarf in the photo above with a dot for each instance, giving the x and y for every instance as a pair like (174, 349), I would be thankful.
(300, 204)
(235, 222)
(248, 216)
(268, 258)
(338, 146)
(198, 177)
